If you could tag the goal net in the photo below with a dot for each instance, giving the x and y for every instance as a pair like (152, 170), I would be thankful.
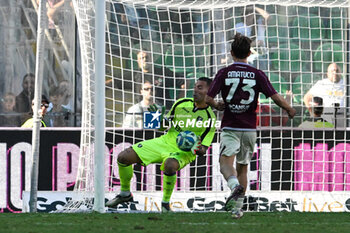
(167, 45)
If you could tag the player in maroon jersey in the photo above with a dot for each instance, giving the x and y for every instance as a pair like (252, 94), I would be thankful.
(240, 85)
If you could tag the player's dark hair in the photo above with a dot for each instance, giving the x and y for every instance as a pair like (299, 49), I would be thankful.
(44, 99)
(319, 109)
(205, 79)
(241, 46)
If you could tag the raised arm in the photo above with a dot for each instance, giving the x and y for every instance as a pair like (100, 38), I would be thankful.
(51, 11)
(284, 119)
(281, 102)
(263, 13)
(307, 99)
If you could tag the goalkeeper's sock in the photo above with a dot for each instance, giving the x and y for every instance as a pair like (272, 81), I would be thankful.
(168, 186)
(232, 182)
(125, 175)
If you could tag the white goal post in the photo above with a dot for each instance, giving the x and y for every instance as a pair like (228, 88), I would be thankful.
(42, 19)
(171, 44)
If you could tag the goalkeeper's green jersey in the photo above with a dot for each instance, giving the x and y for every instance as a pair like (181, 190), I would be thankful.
(184, 115)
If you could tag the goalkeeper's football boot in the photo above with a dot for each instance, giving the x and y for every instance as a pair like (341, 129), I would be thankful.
(166, 207)
(113, 203)
(232, 199)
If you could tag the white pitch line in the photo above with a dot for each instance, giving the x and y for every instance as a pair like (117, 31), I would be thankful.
(236, 221)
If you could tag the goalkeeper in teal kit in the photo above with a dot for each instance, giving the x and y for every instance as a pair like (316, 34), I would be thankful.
(191, 114)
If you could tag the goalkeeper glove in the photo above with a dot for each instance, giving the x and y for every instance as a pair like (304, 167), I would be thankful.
(156, 108)
(196, 147)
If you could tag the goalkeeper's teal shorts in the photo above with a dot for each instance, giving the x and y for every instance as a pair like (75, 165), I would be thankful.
(157, 150)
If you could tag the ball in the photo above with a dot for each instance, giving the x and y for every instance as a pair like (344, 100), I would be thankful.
(185, 140)
(237, 214)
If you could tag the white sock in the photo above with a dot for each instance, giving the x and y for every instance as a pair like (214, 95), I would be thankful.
(124, 193)
(239, 203)
(232, 182)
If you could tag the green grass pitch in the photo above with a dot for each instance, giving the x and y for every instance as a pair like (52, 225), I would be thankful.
(177, 222)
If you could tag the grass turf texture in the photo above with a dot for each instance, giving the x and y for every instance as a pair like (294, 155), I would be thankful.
(176, 222)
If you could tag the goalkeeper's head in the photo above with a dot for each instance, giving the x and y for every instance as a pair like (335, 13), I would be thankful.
(200, 90)
(240, 47)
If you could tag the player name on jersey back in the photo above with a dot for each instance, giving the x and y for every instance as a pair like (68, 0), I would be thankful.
(240, 74)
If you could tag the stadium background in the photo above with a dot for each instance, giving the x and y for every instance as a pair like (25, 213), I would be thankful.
(301, 42)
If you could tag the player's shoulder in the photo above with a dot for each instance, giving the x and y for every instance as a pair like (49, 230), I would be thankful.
(211, 112)
(259, 72)
(222, 71)
(184, 101)
(210, 109)
(208, 112)
(181, 103)
(240, 66)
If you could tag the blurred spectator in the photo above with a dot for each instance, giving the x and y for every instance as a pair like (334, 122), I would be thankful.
(134, 116)
(315, 120)
(254, 27)
(58, 115)
(127, 18)
(42, 112)
(331, 90)
(65, 89)
(53, 8)
(8, 117)
(24, 99)
(131, 14)
(145, 72)
(163, 79)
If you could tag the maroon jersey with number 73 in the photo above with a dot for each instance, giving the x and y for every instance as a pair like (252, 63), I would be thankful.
(240, 85)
